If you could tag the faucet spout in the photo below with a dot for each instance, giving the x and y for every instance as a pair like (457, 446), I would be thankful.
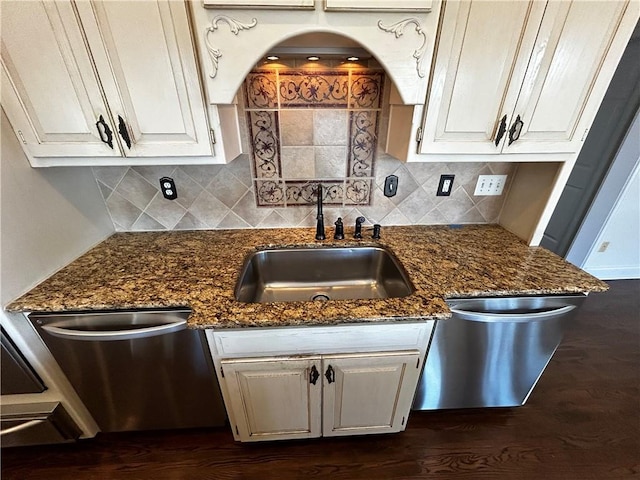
(320, 217)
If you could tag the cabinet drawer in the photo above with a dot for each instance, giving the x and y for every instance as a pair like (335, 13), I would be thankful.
(320, 339)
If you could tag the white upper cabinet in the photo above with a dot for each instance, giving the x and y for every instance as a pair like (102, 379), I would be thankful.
(259, 3)
(382, 5)
(102, 79)
(49, 88)
(145, 58)
(522, 77)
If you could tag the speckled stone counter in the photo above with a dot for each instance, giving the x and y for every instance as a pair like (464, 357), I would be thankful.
(199, 269)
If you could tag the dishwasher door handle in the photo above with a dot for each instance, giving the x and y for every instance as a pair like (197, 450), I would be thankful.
(523, 317)
(21, 427)
(101, 336)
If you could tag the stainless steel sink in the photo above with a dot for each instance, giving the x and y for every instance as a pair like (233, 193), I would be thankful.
(316, 274)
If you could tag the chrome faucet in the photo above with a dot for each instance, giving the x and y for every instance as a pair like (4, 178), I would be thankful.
(320, 217)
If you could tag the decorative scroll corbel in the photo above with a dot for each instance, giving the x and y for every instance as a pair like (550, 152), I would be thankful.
(235, 27)
(398, 30)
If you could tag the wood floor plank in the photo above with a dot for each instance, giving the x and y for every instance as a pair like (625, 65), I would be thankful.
(581, 422)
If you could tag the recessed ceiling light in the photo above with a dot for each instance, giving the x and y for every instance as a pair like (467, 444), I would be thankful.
(273, 58)
(353, 59)
(313, 58)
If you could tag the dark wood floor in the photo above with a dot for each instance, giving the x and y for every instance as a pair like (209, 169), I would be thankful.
(582, 422)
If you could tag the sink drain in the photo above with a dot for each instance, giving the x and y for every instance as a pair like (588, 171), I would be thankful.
(320, 297)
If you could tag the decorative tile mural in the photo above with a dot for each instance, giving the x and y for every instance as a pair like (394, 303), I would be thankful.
(293, 148)
(313, 126)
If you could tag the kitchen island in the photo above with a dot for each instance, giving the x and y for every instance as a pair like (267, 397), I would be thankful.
(199, 269)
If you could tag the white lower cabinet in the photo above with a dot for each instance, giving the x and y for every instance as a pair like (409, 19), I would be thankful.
(362, 388)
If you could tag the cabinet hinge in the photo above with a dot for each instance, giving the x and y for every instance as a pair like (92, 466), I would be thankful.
(237, 432)
(419, 135)
(222, 372)
(212, 135)
(402, 420)
(418, 363)
(584, 135)
(22, 137)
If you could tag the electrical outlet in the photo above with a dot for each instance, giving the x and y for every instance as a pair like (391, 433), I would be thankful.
(445, 186)
(168, 188)
(490, 185)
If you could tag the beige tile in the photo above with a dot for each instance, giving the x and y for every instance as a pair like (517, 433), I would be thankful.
(471, 216)
(167, 212)
(396, 217)
(208, 209)
(274, 220)
(136, 189)
(416, 205)
(203, 174)
(104, 190)
(490, 207)
(331, 161)
(189, 222)
(247, 210)
(231, 220)
(146, 223)
(152, 174)
(110, 176)
(433, 217)
(241, 169)
(454, 206)
(123, 212)
(188, 189)
(227, 188)
(330, 127)
(296, 127)
(298, 163)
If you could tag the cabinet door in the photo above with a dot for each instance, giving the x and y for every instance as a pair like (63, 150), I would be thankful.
(568, 58)
(288, 4)
(384, 5)
(274, 398)
(49, 89)
(481, 59)
(145, 58)
(368, 393)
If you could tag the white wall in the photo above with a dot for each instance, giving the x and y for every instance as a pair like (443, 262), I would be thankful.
(621, 256)
(614, 217)
(48, 217)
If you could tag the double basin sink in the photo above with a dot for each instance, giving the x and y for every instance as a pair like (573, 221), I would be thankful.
(320, 274)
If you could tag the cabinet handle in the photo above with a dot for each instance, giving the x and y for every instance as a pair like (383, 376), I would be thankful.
(514, 131)
(330, 374)
(124, 133)
(501, 129)
(314, 375)
(104, 131)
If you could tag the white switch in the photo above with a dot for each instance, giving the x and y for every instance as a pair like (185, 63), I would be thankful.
(490, 185)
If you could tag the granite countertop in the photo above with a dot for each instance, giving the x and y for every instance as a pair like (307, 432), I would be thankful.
(199, 269)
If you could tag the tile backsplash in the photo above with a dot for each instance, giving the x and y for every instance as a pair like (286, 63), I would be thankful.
(301, 127)
(222, 196)
(313, 124)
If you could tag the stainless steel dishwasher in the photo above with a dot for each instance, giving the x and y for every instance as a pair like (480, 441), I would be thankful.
(136, 370)
(492, 351)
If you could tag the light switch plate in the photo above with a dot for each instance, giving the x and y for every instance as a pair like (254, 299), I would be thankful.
(490, 185)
